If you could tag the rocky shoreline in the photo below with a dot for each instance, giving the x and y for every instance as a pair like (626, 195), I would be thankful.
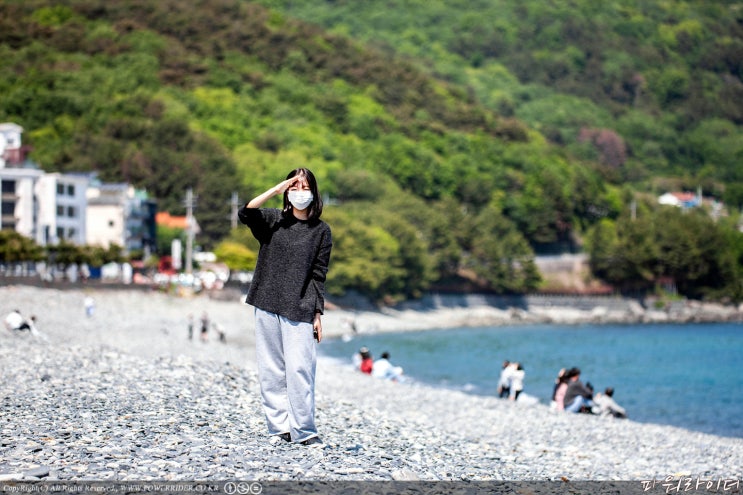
(448, 311)
(124, 395)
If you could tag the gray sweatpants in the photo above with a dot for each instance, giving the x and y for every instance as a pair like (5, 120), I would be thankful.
(286, 357)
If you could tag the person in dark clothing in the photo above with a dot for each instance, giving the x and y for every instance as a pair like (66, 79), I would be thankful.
(204, 326)
(577, 395)
(288, 294)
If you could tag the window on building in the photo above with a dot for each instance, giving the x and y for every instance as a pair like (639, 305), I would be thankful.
(60, 233)
(60, 189)
(70, 189)
(60, 210)
(71, 233)
(71, 211)
(111, 223)
(8, 187)
(8, 208)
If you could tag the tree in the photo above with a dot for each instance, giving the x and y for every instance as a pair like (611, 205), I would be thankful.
(15, 247)
(697, 253)
(500, 255)
(601, 242)
(236, 256)
(165, 237)
(626, 255)
(96, 255)
(701, 257)
(364, 258)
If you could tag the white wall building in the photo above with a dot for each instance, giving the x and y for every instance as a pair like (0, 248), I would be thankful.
(52, 207)
(107, 205)
(44, 207)
(62, 208)
(18, 204)
(122, 215)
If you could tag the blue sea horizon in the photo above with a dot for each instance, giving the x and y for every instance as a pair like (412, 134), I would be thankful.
(685, 375)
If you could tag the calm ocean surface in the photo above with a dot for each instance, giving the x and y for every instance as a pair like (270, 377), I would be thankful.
(688, 375)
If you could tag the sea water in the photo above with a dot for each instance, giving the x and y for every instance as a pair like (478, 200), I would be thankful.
(686, 375)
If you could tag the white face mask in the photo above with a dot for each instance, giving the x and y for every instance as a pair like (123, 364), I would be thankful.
(300, 199)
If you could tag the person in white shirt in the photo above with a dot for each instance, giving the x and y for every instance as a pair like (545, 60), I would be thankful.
(503, 381)
(14, 321)
(383, 368)
(516, 380)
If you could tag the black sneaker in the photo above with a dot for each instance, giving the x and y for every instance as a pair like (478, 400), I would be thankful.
(281, 436)
(313, 442)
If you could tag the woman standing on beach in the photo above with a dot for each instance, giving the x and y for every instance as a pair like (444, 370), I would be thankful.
(288, 293)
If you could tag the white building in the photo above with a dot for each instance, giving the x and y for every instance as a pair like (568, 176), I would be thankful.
(52, 207)
(18, 203)
(62, 208)
(45, 207)
(122, 215)
(681, 199)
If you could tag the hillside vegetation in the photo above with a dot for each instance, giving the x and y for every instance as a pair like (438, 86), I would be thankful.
(653, 88)
(441, 161)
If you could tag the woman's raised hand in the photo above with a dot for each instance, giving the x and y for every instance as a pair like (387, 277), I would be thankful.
(283, 186)
(276, 190)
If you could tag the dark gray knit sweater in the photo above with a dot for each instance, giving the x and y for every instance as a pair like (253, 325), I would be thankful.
(289, 278)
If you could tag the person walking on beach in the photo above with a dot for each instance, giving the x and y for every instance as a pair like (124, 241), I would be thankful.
(189, 325)
(288, 294)
(89, 304)
(204, 326)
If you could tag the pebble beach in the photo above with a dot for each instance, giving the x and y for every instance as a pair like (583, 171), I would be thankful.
(125, 395)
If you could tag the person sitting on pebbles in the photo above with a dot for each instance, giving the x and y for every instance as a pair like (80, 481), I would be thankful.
(605, 405)
(16, 321)
(365, 361)
(383, 369)
(578, 397)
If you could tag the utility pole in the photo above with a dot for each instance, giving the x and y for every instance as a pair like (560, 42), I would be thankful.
(189, 230)
(235, 205)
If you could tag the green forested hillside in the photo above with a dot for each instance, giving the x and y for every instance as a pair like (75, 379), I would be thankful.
(441, 160)
(655, 87)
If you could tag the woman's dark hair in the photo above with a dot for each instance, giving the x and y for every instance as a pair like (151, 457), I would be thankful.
(315, 208)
